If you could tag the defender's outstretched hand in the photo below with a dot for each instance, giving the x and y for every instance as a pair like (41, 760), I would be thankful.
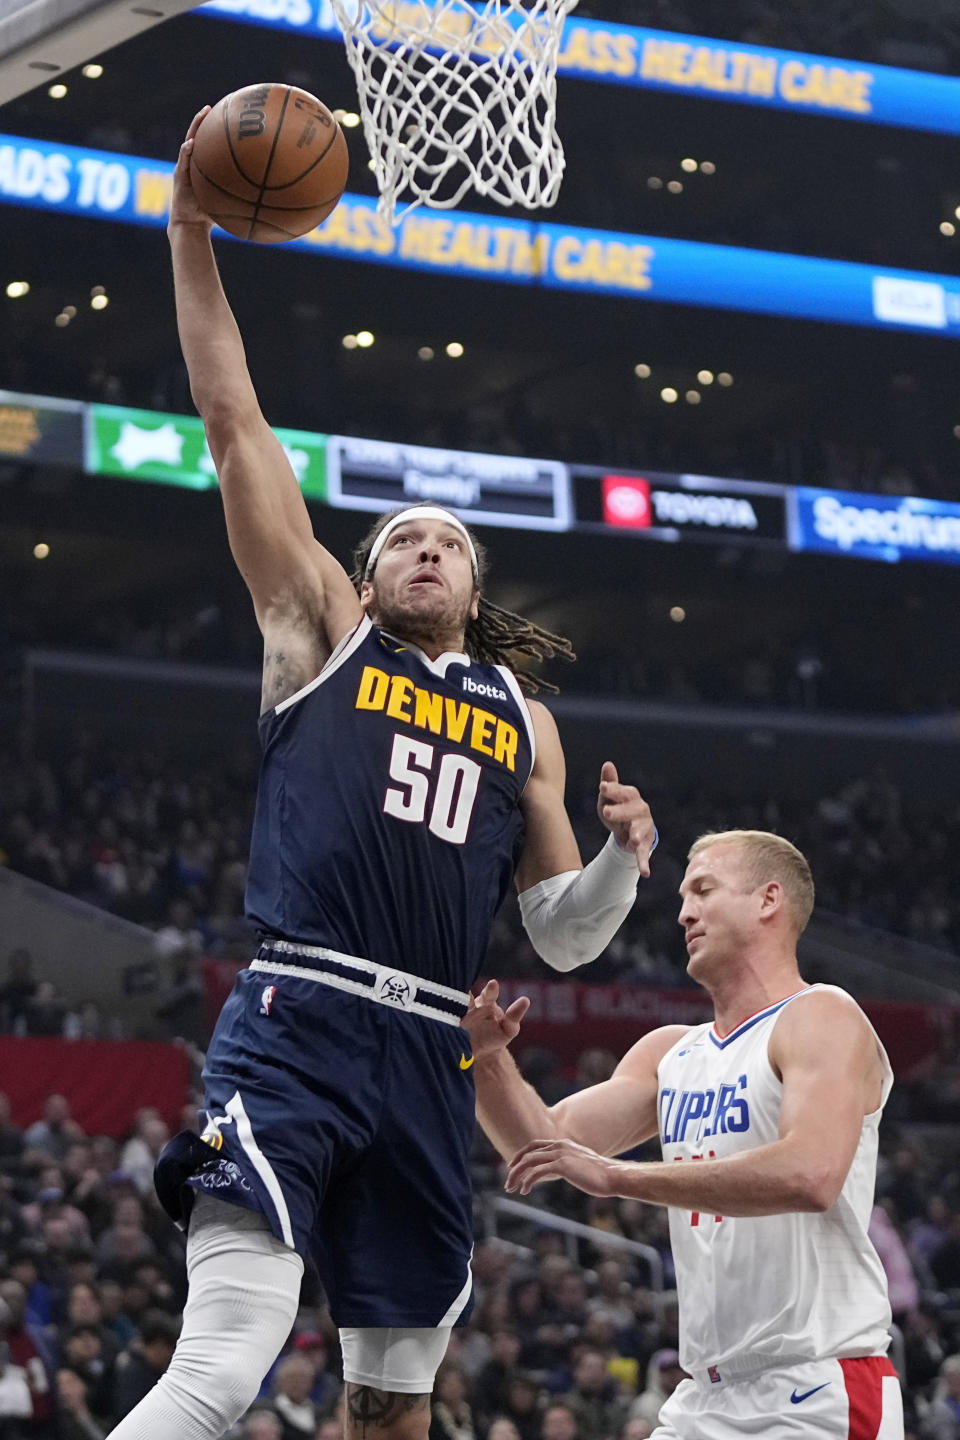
(626, 815)
(184, 209)
(490, 1027)
(562, 1160)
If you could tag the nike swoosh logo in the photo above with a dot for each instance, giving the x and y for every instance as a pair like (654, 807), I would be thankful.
(796, 1399)
(465, 1065)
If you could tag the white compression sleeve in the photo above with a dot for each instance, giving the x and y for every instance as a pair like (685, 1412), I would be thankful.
(571, 917)
(242, 1302)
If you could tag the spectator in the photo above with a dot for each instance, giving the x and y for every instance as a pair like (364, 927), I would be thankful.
(663, 1376)
(45, 1012)
(595, 1399)
(75, 1420)
(11, 1137)
(501, 1429)
(17, 991)
(16, 1402)
(901, 1281)
(261, 1424)
(56, 1131)
(942, 1420)
(28, 1351)
(325, 1389)
(139, 1154)
(451, 1417)
(293, 1383)
(491, 1384)
(140, 1366)
(559, 1423)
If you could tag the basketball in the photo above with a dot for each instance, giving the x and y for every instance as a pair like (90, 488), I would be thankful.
(269, 163)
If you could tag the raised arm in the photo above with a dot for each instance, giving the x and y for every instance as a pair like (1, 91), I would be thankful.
(302, 596)
(828, 1059)
(611, 1117)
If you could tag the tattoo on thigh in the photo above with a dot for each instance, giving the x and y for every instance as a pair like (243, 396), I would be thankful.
(376, 1409)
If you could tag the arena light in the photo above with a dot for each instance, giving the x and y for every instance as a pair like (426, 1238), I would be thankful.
(454, 349)
(18, 288)
(350, 119)
(426, 352)
(70, 311)
(642, 372)
(688, 164)
(99, 302)
(725, 379)
(692, 397)
(677, 614)
(57, 92)
(956, 432)
(41, 550)
(707, 167)
(93, 71)
(349, 342)
(654, 183)
(705, 377)
(947, 227)
(675, 187)
(669, 396)
(365, 339)
(61, 320)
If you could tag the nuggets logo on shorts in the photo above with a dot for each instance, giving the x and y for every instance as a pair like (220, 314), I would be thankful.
(397, 990)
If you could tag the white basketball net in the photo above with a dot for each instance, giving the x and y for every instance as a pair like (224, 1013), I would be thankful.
(455, 95)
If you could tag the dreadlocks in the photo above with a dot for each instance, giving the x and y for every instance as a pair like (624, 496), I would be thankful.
(497, 634)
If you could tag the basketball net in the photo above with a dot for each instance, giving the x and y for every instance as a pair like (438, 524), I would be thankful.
(455, 95)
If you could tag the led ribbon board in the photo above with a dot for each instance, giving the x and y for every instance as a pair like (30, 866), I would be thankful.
(103, 185)
(693, 65)
(502, 490)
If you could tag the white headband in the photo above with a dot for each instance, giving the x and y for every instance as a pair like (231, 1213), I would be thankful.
(421, 512)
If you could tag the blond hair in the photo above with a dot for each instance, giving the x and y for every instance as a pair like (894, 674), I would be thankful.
(763, 857)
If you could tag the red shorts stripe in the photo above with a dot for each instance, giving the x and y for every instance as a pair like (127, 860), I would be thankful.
(863, 1379)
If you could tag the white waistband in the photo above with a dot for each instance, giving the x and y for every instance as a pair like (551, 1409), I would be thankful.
(389, 986)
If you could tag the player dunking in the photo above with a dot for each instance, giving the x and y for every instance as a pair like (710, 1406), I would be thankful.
(773, 1111)
(405, 781)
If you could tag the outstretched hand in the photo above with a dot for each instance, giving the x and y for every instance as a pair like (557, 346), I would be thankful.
(626, 815)
(543, 1160)
(184, 209)
(490, 1026)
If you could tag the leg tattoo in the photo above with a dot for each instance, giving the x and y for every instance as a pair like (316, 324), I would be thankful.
(378, 1409)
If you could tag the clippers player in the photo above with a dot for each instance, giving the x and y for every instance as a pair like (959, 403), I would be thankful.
(772, 1112)
(403, 786)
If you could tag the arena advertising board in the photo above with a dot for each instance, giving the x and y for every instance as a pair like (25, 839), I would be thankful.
(172, 449)
(687, 65)
(661, 506)
(108, 186)
(876, 527)
(40, 430)
(488, 489)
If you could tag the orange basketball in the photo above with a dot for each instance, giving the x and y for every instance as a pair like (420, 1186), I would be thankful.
(269, 163)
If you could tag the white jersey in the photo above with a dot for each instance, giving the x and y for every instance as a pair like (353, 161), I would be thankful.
(774, 1289)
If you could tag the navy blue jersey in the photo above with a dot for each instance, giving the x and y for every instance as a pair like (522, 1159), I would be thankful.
(387, 821)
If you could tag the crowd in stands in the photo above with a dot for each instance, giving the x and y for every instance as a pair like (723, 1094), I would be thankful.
(569, 1340)
(164, 845)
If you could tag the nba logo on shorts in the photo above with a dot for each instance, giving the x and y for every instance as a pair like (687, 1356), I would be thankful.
(714, 1374)
(266, 999)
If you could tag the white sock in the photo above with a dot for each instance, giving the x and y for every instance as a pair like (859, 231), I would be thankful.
(242, 1302)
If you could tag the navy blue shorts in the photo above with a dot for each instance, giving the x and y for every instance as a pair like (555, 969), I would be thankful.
(348, 1125)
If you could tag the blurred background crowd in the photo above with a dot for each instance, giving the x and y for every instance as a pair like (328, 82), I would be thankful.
(571, 1337)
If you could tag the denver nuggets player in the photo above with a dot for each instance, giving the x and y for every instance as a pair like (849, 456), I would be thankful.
(403, 785)
(773, 1112)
